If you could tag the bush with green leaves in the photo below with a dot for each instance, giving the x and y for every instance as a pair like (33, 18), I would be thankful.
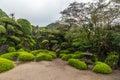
(64, 45)
(66, 57)
(64, 51)
(43, 56)
(6, 65)
(102, 68)
(21, 50)
(53, 54)
(26, 56)
(77, 64)
(2, 29)
(10, 56)
(11, 49)
(112, 59)
(44, 41)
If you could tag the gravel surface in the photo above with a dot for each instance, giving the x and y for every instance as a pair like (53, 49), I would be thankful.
(54, 70)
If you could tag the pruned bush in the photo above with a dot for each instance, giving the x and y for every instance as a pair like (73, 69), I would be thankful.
(66, 57)
(43, 56)
(64, 51)
(102, 68)
(10, 56)
(21, 50)
(6, 65)
(53, 54)
(112, 59)
(11, 49)
(44, 41)
(77, 64)
(26, 57)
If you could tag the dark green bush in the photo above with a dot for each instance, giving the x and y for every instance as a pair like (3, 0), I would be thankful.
(64, 45)
(11, 49)
(26, 57)
(43, 56)
(102, 68)
(6, 64)
(10, 56)
(44, 41)
(112, 59)
(77, 64)
(64, 51)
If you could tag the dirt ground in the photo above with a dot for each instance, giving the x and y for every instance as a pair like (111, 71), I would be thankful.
(54, 70)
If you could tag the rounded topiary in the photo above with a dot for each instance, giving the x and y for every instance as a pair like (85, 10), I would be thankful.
(26, 57)
(77, 64)
(21, 50)
(102, 68)
(43, 56)
(66, 57)
(10, 56)
(11, 49)
(6, 64)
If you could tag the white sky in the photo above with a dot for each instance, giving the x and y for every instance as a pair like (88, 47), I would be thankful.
(38, 12)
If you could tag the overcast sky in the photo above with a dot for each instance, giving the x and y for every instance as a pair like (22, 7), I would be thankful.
(38, 12)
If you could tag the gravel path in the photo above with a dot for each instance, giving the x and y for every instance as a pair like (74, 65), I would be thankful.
(54, 70)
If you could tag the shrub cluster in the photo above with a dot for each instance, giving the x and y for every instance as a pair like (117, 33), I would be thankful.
(10, 56)
(43, 56)
(26, 57)
(11, 49)
(6, 64)
(77, 64)
(102, 68)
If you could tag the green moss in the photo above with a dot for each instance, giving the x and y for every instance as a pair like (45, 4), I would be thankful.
(43, 56)
(6, 64)
(77, 64)
(26, 57)
(102, 68)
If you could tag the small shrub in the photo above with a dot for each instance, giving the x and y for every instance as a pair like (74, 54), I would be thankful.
(21, 50)
(43, 56)
(66, 57)
(26, 57)
(64, 51)
(77, 64)
(11, 49)
(53, 54)
(102, 68)
(64, 45)
(112, 59)
(6, 64)
(10, 56)
(44, 41)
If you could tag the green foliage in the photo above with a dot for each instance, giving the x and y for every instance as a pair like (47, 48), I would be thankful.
(26, 57)
(9, 21)
(44, 41)
(112, 59)
(66, 57)
(77, 64)
(2, 29)
(64, 45)
(26, 26)
(11, 49)
(3, 14)
(102, 68)
(54, 41)
(53, 54)
(21, 50)
(6, 65)
(64, 51)
(10, 56)
(43, 56)
(16, 39)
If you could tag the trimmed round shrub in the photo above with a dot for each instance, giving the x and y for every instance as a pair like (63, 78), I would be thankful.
(26, 57)
(10, 56)
(43, 56)
(11, 49)
(21, 50)
(6, 65)
(77, 64)
(102, 68)
(44, 41)
(64, 51)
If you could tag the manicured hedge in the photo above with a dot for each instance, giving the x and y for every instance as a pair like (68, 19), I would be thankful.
(6, 64)
(77, 64)
(26, 57)
(102, 68)
(43, 56)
